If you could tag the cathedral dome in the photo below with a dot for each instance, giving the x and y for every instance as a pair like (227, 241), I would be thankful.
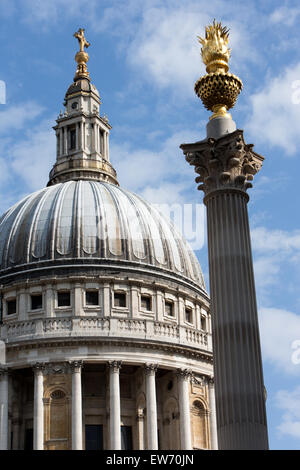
(94, 222)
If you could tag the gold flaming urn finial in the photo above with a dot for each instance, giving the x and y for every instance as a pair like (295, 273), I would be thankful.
(218, 89)
(81, 57)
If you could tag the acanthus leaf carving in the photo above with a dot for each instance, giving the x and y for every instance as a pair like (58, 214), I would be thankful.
(225, 163)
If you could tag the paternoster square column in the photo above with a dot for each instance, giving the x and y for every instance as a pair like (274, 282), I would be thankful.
(226, 165)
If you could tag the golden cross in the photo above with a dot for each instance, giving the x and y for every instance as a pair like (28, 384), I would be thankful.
(81, 39)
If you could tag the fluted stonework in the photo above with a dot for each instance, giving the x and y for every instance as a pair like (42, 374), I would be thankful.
(226, 166)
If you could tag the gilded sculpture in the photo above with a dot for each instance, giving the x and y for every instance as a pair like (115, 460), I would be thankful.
(219, 89)
(82, 56)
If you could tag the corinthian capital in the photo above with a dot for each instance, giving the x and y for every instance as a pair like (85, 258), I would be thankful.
(185, 374)
(150, 369)
(226, 163)
(115, 366)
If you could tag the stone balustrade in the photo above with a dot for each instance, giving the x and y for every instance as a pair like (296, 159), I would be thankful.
(18, 331)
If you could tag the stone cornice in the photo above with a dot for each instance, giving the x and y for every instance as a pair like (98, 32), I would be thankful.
(227, 163)
(205, 356)
(55, 270)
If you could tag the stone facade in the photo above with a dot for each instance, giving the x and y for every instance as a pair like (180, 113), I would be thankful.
(105, 317)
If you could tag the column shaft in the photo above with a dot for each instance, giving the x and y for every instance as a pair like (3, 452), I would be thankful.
(76, 406)
(65, 140)
(38, 409)
(241, 415)
(184, 410)
(152, 438)
(115, 405)
(3, 409)
(212, 417)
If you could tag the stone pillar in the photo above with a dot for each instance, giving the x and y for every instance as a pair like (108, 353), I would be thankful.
(65, 140)
(38, 407)
(77, 135)
(107, 146)
(114, 405)
(226, 166)
(49, 307)
(106, 299)
(61, 142)
(152, 437)
(78, 311)
(3, 408)
(140, 418)
(23, 304)
(76, 367)
(184, 408)
(212, 416)
(82, 136)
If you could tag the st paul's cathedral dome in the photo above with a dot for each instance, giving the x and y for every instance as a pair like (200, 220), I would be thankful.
(104, 312)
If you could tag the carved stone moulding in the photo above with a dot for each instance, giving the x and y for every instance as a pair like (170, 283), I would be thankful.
(224, 164)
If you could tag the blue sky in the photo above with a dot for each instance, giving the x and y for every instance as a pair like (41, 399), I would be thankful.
(144, 60)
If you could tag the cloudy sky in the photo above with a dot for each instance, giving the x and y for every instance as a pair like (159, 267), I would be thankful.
(144, 60)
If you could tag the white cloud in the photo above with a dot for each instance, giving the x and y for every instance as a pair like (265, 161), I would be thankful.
(275, 113)
(279, 329)
(285, 15)
(47, 12)
(147, 170)
(289, 401)
(33, 157)
(266, 271)
(15, 117)
(26, 156)
(275, 252)
(265, 240)
(165, 46)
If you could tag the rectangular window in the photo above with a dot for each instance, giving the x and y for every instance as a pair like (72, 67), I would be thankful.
(203, 323)
(92, 297)
(169, 308)
(36, 302)
(146, 303)
(11, 306)
(93, 437)
(64, 299)
(126, 438)
(188, 315)
(28, 441)
(102, 142)
(72, 142)
(119, 299)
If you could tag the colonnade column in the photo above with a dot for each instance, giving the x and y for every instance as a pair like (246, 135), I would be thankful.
(152, 438)
(226, 166)
(184, 408)
(212, 417)
(76, 367)
(115, 405)
(3, 408)
(38, 407)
